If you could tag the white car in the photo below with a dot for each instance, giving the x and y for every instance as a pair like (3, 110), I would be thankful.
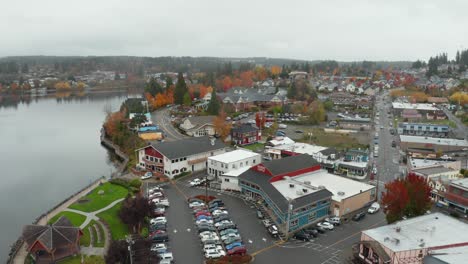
(325, 225)
(224, 222)
(219, 212)
(196, 204)
(155, 189)
(159, 247)
(195, 182)
(166, 256)
(158, 220)
(156, 195)
(147, 175)
(214, 253)
(164, 202)
(204, 221)
(209, 237)
(230, 235)
(207, 233)
(282, 126)
(333, 220)
(212, 246)
(375, 207)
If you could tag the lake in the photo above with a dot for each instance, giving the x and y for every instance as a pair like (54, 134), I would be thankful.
(49, 149)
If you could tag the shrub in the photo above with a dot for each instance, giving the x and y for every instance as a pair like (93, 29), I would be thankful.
(120, 181)
(185, 173)
(454, 214)
(135, 183)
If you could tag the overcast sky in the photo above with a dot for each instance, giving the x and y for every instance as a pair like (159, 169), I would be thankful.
(343, 30)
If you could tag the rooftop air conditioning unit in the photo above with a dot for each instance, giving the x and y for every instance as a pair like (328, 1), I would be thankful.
(305, 190)
(291, 185)
(307, 182)
(341, 193)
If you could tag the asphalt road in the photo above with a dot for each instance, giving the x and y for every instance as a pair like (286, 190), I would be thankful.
(460, 131)
(162, 119)
(331, 247)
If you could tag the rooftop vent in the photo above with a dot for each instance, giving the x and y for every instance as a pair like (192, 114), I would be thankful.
(341, 193)
(305, 190)
(321, 187)
(307, 182)
(398, 229)
(291, 185)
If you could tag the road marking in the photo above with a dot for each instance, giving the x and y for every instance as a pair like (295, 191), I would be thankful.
(188, 230)
(250, 241)
(178, 189)
(266, 248)
(264, 239)
(175, 230)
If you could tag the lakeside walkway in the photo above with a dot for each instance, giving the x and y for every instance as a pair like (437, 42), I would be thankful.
(22, 252)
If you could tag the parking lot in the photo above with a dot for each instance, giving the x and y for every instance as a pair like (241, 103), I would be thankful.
(330, 247)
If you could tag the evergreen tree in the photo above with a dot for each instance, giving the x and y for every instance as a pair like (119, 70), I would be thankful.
(213, 106)
(169, 82)
(153, 87)
(457, 57)
(180, 89)
(187, 99)
(432, 67)
(292, 91)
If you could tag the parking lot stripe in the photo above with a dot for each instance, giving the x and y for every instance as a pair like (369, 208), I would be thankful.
(178, 189)
(357, 233)
(266, 248)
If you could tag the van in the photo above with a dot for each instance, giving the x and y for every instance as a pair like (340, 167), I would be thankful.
(375, 207)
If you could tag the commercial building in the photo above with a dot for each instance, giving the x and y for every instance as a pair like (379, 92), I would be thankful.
(422, 129)
(326, 156)
(412, 240)
(296, 188)
(427, 111)
(174, 157)
(225, 168)
(292, 205)
(457, 195)
(431, 145)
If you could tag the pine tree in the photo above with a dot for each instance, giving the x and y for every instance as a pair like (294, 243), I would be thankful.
(187, 99)
(180, 89)
(169, 82)
(292, 91)
(457, 57)
(213, 106)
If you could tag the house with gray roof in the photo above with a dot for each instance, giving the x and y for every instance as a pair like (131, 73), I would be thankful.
(172, 158)
(198, 126)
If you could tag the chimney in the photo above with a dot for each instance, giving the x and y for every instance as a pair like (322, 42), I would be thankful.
(212, 141)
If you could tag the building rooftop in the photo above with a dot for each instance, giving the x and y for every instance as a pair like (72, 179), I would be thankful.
(244, 128)
(426, 107)
(236, 172)
(427, 231)
(187, 147)
(301, 148)
(281, 141)
(447, 255)
(233, 156)
(436, 141)
(463, 183)
(423, 163)
(354, 164)
(340, 187)
(432, 170)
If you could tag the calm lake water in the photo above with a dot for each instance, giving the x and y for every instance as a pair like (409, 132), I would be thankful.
(49, 149)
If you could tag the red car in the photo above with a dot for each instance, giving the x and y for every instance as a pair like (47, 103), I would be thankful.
(157, 232)
(237, 251)
(206, 213)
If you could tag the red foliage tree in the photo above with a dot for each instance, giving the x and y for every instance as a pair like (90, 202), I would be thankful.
(406, 197)
(260, 119)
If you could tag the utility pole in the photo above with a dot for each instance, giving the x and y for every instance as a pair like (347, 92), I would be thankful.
(130, 243)
(290, 207)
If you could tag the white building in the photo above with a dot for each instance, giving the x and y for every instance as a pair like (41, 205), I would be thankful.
(227, 166)
(410, 241)
(198, 126)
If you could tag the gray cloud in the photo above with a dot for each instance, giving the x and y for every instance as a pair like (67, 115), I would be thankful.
(332, 29)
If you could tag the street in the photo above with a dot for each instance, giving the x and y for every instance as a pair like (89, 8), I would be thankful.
(162, 119)
(460, 131)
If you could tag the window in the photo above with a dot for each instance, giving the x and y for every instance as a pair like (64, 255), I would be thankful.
(312, 216)
(247, 163)
(254, 161)
(147, 157)
(226, 180)
(241, 164)
(294, 222)
(172, 161)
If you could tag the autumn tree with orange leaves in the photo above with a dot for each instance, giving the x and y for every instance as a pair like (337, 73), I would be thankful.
(275, 70)
(408, 197)
(222, 127)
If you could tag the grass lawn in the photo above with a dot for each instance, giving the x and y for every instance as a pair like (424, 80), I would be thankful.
(254, 147)
(118, 229)
(75, 219)
(86, 238)
(95, 201)
(336, 140)
(87, 260)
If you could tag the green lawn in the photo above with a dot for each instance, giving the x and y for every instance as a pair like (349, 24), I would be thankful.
(118, 229)
(86, 238)
(336, 140)
(87, 260)
(95, 201)
(254, 147)
(75, 219)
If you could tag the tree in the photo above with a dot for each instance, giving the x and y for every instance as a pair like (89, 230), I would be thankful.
(80, 85)
(275, 70)
(169, 82)
(222, 127)
(117, 252)
(62, 86)
(432, 67)
(407, 197)
(180, 89)
(459, 98)
(116, 76)
(134, 211)
(187, 99)
(153, 87)
(316, 112)
(292, 90)
(328, 105)
(457, 57)
(137, 120)
(260, 119)
(213, 105)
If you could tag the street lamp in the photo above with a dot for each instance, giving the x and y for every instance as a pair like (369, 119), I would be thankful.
(208, 178)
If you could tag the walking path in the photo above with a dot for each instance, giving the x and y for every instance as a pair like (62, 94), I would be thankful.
(92, 215)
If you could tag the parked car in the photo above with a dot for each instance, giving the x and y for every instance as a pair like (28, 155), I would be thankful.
(160, 238)
(163, 202)
(229, 236)
(273, 230)
(266, 223)
(375, 207)
(259, 214)
(229, 231)
(219, 212)
(214, 253)
(167, 256)
(216, 201)
(302, 236)
(204, 228)
(220, 218)
(233, 245)
(159, 248)
(226, 226)
(312, 232)
(147, 175)
(156, 195)
(157, 220)
(232, 240)
(224, 222)
(202, 212)
(237, 251)
(325, 225)
(282, 126)
(207, 233)
(321, 230)
(212, 246)
(206, 217)
(335, 220)
(196, 204)
(359, 216)
(159, 212)
(204, 221)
